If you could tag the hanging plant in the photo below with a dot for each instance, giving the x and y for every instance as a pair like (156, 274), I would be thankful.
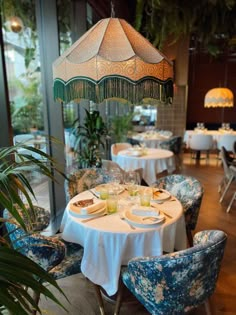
(209, 21)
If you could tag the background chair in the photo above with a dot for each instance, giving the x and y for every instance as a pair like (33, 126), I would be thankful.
(229, 173)
(84, 179)
(231, 202)
(178, 282)
(227, 141)
(189, 192)
(116, 147)
(175, 145)
(52, 253)
(199, 143)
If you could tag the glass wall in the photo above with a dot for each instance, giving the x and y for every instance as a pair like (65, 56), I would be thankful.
(34, 34)
(23, 70)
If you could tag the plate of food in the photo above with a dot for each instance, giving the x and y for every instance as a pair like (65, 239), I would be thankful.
(160, 195)
(144, 220)
(87, 208)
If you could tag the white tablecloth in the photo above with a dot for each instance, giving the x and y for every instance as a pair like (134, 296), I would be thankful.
(152, 139)
(154, 161)
(109, 242)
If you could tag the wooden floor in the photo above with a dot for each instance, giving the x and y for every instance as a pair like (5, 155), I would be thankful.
(212, 216)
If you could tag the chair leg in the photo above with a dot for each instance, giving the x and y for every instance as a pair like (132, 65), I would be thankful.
(119, 298)
(208, 308)
(36, 297)
(226, 188)
(99, 298)
(231, 202)
(189, 237)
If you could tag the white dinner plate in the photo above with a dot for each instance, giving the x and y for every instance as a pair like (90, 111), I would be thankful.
(98, 188)
(135, 153)
(142, 221)
(160, 195)
(75, 211)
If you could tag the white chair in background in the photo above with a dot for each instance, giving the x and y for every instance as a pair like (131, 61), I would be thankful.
(227, 141)
(199, 143)
(228, 177)
(116, 147)
(231, 202)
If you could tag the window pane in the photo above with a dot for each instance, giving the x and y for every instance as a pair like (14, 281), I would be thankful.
(21, 50)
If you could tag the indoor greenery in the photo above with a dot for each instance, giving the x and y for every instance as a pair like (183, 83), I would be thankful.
(121, 126)
(15, 278)
(210, 22)
(90, 139)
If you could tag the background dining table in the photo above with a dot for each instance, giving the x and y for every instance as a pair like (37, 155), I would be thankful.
(152, 161)
(152, 139)
(110, 242)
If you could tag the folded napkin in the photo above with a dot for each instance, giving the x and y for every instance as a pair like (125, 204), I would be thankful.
(93, 208)
(145, 211)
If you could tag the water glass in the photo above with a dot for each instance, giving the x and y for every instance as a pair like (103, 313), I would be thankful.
(103, 193)
(112, 202)
(132, 189)
(145, 198)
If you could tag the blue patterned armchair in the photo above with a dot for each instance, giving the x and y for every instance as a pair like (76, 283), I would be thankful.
(190, 192)
(83, 179)
(58, 257)
(176, 283)
(174, 144)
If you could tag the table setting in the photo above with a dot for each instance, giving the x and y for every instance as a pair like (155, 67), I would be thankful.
(142, 221)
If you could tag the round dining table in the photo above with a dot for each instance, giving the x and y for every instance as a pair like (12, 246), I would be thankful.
(110, 241)
(151, 140)
(152, 161)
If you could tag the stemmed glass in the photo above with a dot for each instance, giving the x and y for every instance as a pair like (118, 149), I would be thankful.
(132, 180)
(116, 178)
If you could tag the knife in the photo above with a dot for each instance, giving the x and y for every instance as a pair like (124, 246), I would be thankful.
(93, 193)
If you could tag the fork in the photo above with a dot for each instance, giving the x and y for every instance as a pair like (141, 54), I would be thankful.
(123, 219)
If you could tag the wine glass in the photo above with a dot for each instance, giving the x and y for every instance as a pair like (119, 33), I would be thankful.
(132, 180)
(116, 178)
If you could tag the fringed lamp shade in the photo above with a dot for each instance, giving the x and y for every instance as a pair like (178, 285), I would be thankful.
(219, 97)
(112, 60)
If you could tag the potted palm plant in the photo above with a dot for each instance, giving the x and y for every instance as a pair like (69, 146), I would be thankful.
(16, 279)
(90, 138)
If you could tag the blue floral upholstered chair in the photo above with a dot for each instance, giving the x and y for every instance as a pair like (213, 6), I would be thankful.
(58, 257)
(176, 283)
(84, 179)
(174, 144)
(189, 191)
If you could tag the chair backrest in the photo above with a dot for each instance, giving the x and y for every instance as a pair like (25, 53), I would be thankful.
(188, 190)
(40, 248)
(173, 144)
(109, 165)
(178, 282)
(116, 147)
(84, 179)
(226, 162)
(227, 141)
(201, 142)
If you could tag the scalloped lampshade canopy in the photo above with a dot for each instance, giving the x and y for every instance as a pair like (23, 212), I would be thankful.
(112, 60)
(219, 97)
